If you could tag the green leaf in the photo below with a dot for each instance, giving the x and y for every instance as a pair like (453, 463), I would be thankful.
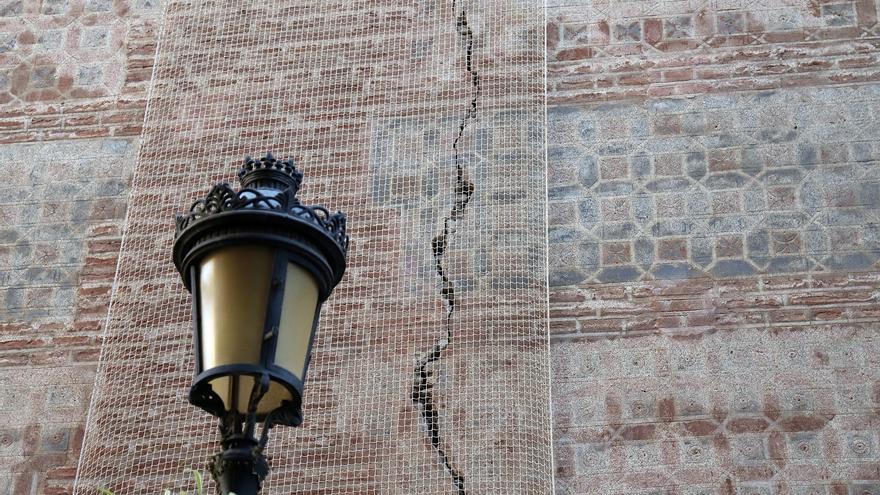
(198, 476)
(104, 491)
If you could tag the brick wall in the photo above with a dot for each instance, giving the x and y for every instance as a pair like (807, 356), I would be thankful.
(603, 50)
(713, 257)
(713, 247)
(371, 99)
(73, 81)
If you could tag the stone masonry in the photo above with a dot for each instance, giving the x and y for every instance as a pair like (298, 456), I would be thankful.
(713, 247)
(713, 194)
(73, 81)
(716, 186)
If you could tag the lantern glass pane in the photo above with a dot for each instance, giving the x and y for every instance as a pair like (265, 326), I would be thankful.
(273, 398)
(297, 320)
(234, 284)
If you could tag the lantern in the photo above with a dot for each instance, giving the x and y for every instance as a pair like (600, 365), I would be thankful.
(259, 264)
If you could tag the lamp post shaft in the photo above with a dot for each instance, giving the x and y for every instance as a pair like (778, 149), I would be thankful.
(240, 468)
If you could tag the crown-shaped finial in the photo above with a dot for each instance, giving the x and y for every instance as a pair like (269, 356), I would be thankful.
(270, 173)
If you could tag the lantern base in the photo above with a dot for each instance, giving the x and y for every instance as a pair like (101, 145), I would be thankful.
(240, 468)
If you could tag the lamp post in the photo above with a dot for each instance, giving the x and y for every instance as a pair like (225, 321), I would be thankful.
(258, 264)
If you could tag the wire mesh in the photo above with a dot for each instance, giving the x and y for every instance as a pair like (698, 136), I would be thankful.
(425, 123)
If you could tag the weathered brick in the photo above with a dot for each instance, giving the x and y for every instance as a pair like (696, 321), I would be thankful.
(773, 55)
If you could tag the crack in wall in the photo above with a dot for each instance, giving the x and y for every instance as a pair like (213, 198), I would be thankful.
(425, 380)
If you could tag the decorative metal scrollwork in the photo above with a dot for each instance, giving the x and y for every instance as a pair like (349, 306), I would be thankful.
(223, 197)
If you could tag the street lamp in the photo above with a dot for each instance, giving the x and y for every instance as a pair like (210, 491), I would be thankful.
(258, 264)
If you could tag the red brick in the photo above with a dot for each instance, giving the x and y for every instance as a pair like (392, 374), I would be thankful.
(829, 297)
(747, 425)
(571, 312)
(64, 472)
(581, 53)
(566, 296)
(700, 428)
(653, 30)
(6, 345)
(804, 423)
(638, 432)
(602, 325)
(666, 409)
(678, 75)
(563, 326)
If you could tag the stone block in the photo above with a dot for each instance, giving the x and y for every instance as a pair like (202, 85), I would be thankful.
(695, 165)
(691, 402)
(639, 455)
(643, 252)
(11, 443)
(749, 449)
(628, 32)
(55, 7)
(589, 256)
(732, 268)
(696, 450)
(557, 234)
(591, 458)
(810, 490)
(864, 488)
(838, 14)
(590, 212)
(613, 168)
(89, 75)
(44, 76)
(99, 5)
(614, 188)
(786, 242)
(640, 166)
(55, 439)
(616, 209)
(669, 164)
(616, 253)
(618, 231)
(755, 488)
(850, 261)
(679, 27)
(675, 271)
(10, 8)
(587, 171)
(730, 22)
(745, 399)
(94, 38)
(726, 202)
(672, 249)
(619, 274)
(853, 398)
(803, 445)
(860, 444)
(562, 278)
(728, 180)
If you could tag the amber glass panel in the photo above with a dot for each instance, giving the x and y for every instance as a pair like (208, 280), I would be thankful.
(297, 318)
(273, 398)
(234, 284)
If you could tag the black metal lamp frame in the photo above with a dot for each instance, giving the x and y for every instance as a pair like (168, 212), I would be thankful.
(264, 212)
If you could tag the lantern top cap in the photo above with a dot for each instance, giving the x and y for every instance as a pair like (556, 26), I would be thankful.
(264, 210)
(270, 173)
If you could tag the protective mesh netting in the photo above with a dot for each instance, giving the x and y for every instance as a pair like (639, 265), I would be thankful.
(424, 121)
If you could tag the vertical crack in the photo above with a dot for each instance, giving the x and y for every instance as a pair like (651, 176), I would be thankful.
(425, 379)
